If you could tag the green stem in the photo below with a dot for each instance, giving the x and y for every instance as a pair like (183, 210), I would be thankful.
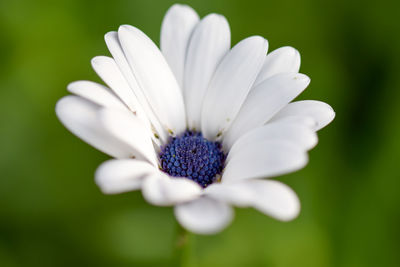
(182, 247)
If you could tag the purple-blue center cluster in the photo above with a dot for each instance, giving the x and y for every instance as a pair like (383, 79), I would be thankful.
(192, 156)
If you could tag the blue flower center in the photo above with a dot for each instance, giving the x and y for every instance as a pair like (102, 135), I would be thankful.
(192, 156)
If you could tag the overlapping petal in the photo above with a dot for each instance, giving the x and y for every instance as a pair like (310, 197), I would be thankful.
(131, 131)
(122, 175)
(321, 112)
(282, 60)
(163, 190)
(230, 85)
(96, 93)
(298, 134)
(115, 48)
(264, 101)
(109, 72)
(264, 159)
(154, 75)
(176, 29)
(204, 215)
(268, 196)
(80, 116)
(210, 41)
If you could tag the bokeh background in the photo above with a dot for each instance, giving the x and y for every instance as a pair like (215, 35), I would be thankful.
(52, 213)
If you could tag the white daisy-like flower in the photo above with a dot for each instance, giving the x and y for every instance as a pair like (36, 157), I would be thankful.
(197, 125)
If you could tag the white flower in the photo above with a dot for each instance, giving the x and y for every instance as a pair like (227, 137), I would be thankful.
(228, 109)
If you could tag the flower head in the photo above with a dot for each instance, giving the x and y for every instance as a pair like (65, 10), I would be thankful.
(197, 124)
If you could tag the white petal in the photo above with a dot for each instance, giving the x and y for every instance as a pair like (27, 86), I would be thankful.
(163, 190)
(321, 112)
(210, 41)
(281, 60)
(128, 128)
(115, 48)
(80, 116)
(176, 29)
(97, 93)
(109, 72)
(122, 175)
(204, 215)
(264, 159)
(155, 78)
(268, 196)
(298, 134)
(264, 101)
(229, 193)
(303, 120)
(231, 84)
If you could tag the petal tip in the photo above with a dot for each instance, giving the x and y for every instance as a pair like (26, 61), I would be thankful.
(95, 60)
(178, 7)
(109, 35)
(302, 78)
(214, 17)
(126, 29)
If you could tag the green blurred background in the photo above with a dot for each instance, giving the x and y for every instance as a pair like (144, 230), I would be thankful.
(52, 213)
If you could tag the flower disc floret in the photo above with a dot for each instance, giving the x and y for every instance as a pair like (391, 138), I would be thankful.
(192, 156)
